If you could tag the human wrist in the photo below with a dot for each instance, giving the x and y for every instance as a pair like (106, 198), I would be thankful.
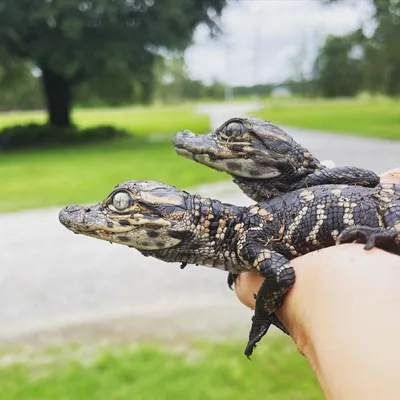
(341, 313)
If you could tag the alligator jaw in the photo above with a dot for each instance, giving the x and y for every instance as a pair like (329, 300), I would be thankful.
(188, 144)
(85, 220)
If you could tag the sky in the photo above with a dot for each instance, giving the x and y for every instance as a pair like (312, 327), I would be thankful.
(266, 41)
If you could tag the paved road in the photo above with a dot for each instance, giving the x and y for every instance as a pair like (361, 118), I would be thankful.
(378, 155)
(55, 285)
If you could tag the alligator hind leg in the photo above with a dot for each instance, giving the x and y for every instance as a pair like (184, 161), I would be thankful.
(386, 237)
(232, 277)
(279, 278)
(372, 237)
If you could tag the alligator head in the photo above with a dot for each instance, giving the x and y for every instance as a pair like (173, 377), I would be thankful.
(159, 220)
(147, 215)
(247, 148)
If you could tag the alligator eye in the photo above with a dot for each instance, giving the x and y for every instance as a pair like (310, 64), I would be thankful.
(234, 129)
(121, 200)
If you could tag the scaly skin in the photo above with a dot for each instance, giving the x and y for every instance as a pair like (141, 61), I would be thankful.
(263, 160)
(164, 222)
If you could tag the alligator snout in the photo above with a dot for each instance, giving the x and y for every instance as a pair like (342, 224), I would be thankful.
(182, 137)
(72, 208)
(67, 214)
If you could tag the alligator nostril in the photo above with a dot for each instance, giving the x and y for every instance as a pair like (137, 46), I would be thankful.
(72, 208)
(88, 210)
(181, 137)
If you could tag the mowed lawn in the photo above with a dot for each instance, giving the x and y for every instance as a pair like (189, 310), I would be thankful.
(205, 371)
(138, 120)
(373, 118)
(85, 174)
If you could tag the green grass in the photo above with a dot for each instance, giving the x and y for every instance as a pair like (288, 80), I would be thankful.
(88, 173)
(138, 120)
(374, 118)
(85, 174)
(208, 371)
(42, 178)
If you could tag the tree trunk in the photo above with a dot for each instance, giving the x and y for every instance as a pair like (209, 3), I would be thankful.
(58, 97)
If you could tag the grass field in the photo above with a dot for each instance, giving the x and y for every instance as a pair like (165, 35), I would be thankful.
(137, 120)
(42, 178)
(206, 371)
(379, 118)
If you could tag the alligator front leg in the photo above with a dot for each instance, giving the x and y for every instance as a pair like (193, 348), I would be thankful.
(338, 176)
(279, 277)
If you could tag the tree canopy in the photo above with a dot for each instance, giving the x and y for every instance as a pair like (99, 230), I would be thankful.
(361, 60)
(338, 67)
(75, 41)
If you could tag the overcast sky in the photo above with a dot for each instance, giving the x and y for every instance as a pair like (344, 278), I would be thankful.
(264, 40)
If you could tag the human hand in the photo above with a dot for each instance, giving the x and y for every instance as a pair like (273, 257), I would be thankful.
(342, 314)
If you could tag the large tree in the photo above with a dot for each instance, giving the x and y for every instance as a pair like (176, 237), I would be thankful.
(74, 40)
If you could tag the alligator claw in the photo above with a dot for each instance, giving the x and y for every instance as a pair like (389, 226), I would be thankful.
(278, 324)
(371, 237)
(259, 329)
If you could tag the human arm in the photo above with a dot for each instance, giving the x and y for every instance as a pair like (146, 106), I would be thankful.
(342, 313)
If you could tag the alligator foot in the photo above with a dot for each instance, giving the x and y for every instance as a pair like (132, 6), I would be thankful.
(232, 279)
(258, 330)
(278, 324)
(378, 237)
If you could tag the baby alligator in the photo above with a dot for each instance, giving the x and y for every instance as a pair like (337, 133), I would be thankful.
(264, 160)
(172, 225)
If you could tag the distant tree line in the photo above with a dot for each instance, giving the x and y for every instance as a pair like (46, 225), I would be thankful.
(21, 87)
(305, 88)
(353, 63)
(358, 62)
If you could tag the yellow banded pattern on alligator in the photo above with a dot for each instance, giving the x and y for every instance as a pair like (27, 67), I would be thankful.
(263, 159)
(164, 222)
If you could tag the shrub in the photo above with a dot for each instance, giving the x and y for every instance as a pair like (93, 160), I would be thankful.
(35, 135)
